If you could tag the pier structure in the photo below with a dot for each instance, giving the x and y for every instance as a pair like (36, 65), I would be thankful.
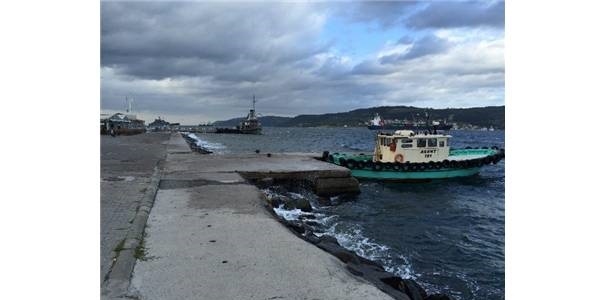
(200, 230)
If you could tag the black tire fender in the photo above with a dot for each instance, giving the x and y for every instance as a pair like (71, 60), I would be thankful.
(377, 166)
(342, 161)
(360, 164)
(351, 164)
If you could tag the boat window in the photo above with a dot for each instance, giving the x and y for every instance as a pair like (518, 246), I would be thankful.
(421, 143)
(431, 142)
(441, 144)
(407, 145)
(406, 141)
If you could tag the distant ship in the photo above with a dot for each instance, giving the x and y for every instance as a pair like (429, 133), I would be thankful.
(250, 125)
(377, 123)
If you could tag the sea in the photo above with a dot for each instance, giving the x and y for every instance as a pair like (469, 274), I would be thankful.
(448, 235)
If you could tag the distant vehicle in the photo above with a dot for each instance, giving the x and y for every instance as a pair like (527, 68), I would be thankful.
(377, 123)
(407, 156)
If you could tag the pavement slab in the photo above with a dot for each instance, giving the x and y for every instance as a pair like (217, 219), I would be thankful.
(219, 242)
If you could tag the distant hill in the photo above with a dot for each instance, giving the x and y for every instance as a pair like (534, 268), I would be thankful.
(477, 116)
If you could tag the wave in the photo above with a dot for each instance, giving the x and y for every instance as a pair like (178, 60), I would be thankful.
(349, 236)
(207, 145)
(354, 239)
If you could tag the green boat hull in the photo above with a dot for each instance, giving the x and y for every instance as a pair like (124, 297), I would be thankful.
(415, 175)
(463, 157)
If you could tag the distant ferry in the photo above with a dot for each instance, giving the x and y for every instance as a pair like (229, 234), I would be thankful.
(377, 123)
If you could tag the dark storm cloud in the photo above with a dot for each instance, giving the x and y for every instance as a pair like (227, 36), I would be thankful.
(425, 46)
(205, 60)
(160, 40)
(459, 14)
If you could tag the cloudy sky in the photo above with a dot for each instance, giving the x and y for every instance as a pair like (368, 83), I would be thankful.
(194, 62)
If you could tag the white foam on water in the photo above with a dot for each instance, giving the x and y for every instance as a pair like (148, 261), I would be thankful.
(289, 215)
(355, 240)
(324, 219)
(296, 195)
(268, 194)
(207, 145)
(352, 239)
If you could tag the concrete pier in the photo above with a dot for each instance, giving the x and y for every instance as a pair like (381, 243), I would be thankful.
(128, 164)
(209, 236)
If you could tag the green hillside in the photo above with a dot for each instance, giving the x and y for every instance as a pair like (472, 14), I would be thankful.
(476, 116)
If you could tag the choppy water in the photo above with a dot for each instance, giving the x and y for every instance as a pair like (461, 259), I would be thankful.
(448, 235)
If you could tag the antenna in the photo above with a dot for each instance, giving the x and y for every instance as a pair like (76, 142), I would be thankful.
(253, 102)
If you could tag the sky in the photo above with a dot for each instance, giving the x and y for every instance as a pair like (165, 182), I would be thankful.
(196, 62)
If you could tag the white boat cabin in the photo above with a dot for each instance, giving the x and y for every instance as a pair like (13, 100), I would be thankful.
(407, 146)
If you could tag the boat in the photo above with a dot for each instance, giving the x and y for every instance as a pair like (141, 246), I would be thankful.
(377, 123)
(408, 156)
(250, 125)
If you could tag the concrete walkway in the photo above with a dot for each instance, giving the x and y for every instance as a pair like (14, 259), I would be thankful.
(209, 236)
(127, 165)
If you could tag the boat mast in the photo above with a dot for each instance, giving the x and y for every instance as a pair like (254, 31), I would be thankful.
(128, 104)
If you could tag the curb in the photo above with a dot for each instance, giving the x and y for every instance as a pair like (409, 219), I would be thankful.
(117, 281)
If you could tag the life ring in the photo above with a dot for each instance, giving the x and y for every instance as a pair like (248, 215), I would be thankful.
(399, 158)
